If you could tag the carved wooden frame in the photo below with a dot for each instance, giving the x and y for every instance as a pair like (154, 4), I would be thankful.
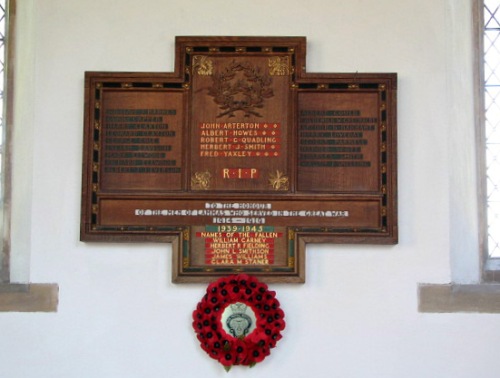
(272, 78)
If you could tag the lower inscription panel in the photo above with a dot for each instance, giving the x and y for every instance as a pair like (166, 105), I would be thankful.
(345, 214)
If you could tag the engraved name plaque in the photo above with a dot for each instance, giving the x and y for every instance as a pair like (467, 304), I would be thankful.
(240, 158)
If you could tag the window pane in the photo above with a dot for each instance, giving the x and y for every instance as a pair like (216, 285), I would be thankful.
(492, 121)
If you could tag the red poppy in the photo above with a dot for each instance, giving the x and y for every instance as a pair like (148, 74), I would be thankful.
(258, 353)
(228, 358)
(241, 348)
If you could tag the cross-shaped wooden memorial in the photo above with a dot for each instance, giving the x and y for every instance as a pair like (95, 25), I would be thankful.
(240, 158)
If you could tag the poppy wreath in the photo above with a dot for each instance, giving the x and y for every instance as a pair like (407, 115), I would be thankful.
(238, 321)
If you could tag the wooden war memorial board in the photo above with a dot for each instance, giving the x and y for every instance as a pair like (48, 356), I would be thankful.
(240, 158)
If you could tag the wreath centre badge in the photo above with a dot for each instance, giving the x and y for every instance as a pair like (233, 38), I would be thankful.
(238, 321)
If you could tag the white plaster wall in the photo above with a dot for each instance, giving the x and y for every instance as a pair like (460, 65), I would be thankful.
(356, 316)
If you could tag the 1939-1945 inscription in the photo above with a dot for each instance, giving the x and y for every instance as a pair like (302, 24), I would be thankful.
(240, 158)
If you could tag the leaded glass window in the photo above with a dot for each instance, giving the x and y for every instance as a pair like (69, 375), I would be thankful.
(491, 39)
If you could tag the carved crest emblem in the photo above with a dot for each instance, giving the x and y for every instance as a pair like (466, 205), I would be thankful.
(240, 86)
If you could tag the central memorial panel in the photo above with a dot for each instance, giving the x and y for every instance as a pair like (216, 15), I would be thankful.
(240, 158)
(240, 138)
